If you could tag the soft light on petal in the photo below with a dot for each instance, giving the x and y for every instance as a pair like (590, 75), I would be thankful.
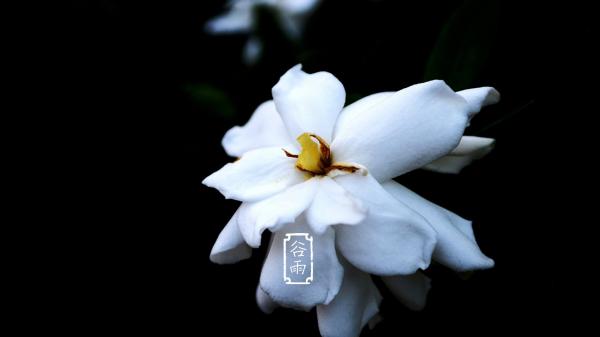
(468, 150)
(333, 205)
(328, 272)
(479, 97)
(264, 129)
(393, 239)
(456, 247)
(297, 7)
(309, 102)
(237, 20)
(411, 290)
(264, 301)
(230, 246)
(276, 211)
(404, 131)
(355, 305)
(257, 175)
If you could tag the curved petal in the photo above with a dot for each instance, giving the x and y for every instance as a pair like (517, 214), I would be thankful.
(468, 150)
(392, 240)
(230, 246)
(297, 7)
(404, 131)
(456, 247)
(359, 107)
(479, 97)
(328, 272)
(309, 102)
(237, 20)
(411, 290)
(276, 211)
(355, 305)
(264, 301)
(257, 175)
(332, 205)
(264, 129)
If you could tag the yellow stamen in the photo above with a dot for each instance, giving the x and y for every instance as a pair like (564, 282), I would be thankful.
(315, 156)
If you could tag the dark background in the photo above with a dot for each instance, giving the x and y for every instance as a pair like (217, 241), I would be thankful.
(146, 96)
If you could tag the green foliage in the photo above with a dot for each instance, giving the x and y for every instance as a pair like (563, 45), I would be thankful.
(464, 44)
(211, 100)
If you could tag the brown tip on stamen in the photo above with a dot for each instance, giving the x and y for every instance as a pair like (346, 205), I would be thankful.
(324, 148)
(290, 154)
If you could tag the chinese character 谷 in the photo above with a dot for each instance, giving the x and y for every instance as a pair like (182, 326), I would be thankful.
(297, 249)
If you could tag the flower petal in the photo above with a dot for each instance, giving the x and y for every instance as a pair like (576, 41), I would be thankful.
(328, 272)
(264, 301)
(456, 247)
(404, 131)
(237, 20)
(230, 246)
(393, 239)
(355, 305)
(479, 97)
(309, 102)
(411, 290)
(297, 7)
(258, 174)
(264, 129)
(276, 211)
(332, 205)
(469, 149)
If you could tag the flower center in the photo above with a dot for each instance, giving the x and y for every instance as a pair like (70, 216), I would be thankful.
(315, 157)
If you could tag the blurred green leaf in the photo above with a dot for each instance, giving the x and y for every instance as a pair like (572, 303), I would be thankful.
(211, 100)
(464, 44)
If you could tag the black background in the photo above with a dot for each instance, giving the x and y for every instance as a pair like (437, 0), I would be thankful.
(142, 141)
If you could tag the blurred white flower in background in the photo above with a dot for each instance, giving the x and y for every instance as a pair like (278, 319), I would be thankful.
(307, 164)
(241, 18)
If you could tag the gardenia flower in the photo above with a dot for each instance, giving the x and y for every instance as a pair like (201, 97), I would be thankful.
(309, 165)
(241, 18)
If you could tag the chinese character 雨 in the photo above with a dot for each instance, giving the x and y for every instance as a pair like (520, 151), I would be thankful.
(298, 268)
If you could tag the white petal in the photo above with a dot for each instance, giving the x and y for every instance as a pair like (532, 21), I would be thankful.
(309, 102)
(411, 290)
(404, 131)
(264, 129)
(355, 305)
(238, 19)
(327, 272)
(264, 301)
(479, 97)
(469, 149)
(297, 7)
(359, 107)
(332, 205)
(456, 247)
(276, 211)
(257, 175)
(393, 239)
(230, 246)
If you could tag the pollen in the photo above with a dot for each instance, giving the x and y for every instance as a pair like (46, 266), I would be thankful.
(315, 156)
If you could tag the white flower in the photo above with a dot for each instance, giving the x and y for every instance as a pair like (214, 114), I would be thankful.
(241, 18)
(340, 190)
